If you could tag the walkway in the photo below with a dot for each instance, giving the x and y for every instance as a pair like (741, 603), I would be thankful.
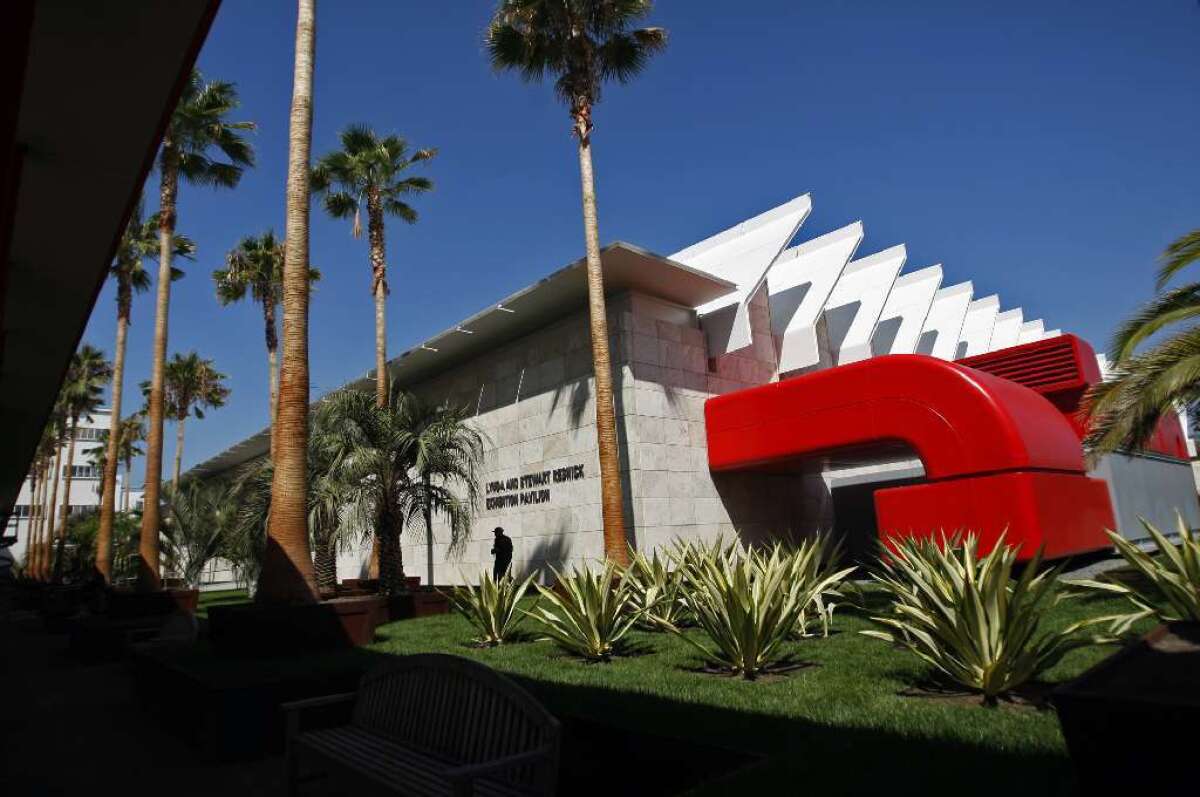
(76, 729)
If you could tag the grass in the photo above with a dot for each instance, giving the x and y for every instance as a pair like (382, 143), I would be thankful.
(220, 597)
(839, 724)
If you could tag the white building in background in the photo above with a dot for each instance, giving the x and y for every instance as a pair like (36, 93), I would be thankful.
(85, 483)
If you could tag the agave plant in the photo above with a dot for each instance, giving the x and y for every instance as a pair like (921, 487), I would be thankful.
(657, 590)
(589, 612)
(748, 604)
(813, 564)
(1172, 591)
(492, 606)
(967, 617)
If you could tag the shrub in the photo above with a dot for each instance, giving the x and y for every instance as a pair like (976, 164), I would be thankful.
(813, 565)
(747, 604)
(655, 590)
(589, 612)
(1171, 591)
(491, 607)
(967, 617)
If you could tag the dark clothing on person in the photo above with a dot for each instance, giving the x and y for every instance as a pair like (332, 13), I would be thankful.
(502, 549)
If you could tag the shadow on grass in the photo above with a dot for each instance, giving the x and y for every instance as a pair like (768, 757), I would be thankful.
(631, 742)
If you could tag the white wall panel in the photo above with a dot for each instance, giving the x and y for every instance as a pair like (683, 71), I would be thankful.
(904, 313)
(857, 300)
(799, 285)
(977, 326)
(1031, 331)
(939, 336)
(1007, 331)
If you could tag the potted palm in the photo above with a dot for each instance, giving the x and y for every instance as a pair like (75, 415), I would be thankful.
(1150, 683)
(407, 462)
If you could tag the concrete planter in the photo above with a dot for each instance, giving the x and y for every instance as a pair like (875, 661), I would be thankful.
(1131, 720)
(338, 623)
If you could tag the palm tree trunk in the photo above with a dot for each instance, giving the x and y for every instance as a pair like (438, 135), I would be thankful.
(287, 573)
(48, 521)
(612, 503)
(391, 560)
(272, 364)
(178, 452)
(325, 567)
(35, 499)
(148, 555)
(51, 511)
(428, 536)
(108, 492)
(66, 499)
(379, 289)
(128, 476)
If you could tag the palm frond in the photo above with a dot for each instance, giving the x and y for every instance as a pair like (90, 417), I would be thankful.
(1124, 411)
(1180, 304)
(1180, 253)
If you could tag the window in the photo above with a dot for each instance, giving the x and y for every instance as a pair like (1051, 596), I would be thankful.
(83, 509)
(88, 433)
(83, 472)
(20, 510)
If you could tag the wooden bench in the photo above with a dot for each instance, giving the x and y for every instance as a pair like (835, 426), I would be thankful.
(432, 724)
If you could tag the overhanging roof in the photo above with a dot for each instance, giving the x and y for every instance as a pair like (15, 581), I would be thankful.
(626, 268)
(100, 81)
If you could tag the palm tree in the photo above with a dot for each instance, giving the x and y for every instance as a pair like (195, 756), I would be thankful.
(256, 267)
(447, 456)
(55, 429)
(43, 461)
(83, 391)
(197, 127)
(583, 43)
(192, 386)
(198, 519)
(328, 495)
(131, 432)
(287, 571)
(403, 461)
(1124, 411)
(370, 170)
(138, 242)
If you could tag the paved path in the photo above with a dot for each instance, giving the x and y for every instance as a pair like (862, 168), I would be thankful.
(76, 729)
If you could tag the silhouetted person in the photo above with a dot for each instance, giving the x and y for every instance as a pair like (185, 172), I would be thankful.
(502, 550)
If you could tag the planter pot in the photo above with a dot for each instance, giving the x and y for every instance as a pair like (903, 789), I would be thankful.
(58, 603)
(124, 604)
(338, 623)
(418, 603)
(1131, 720)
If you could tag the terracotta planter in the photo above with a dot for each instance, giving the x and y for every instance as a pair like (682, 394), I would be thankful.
(123, 604)
(338, 623)
(418, 603)
(1131, 720)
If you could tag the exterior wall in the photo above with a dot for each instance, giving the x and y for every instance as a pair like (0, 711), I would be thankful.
(1149, 487)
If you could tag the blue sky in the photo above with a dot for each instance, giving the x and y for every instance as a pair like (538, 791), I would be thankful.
(1045, 150)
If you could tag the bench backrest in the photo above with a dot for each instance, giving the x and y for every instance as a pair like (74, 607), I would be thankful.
(459, 709)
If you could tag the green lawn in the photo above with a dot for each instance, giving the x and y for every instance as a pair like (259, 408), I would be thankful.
(220, 597)
(836, 726)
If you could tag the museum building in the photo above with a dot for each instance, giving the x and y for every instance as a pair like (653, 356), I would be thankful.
(767, 388)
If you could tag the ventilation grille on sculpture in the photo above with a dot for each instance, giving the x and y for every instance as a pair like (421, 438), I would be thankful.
(1047, 366)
